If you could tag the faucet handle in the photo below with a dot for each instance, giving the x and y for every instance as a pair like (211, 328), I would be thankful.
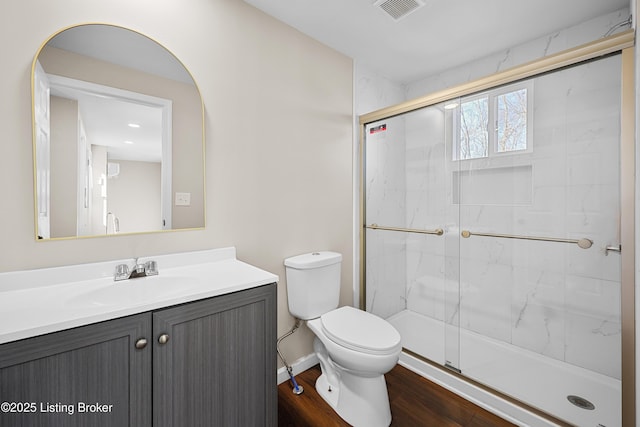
(151, 268)
(122, 272)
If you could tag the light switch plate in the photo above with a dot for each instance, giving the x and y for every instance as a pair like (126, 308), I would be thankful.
(183, 199)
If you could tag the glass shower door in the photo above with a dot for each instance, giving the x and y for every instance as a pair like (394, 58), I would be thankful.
(538, 191)
(409, 276)
(492, 229)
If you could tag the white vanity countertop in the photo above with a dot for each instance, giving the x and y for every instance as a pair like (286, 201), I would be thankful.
(42, 301)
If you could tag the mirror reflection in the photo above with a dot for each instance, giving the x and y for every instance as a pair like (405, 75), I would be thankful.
(118, 136)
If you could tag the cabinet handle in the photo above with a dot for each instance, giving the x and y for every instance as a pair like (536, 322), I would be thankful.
(141, 343)
(163, 339)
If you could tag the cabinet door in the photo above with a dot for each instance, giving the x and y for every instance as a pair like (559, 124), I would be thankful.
(87, 376)
(218, 366)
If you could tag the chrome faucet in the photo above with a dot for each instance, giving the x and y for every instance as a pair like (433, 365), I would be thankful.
(124, 272)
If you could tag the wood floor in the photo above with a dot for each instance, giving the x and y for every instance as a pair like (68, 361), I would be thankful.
(415, 401)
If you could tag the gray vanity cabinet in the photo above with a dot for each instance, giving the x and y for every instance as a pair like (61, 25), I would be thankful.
(206, 363)
(87, 376)
(214, 362)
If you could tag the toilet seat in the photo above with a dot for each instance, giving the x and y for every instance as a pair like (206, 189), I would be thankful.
(360, 331)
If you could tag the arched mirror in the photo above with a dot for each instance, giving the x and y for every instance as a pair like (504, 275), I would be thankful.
(118, 136)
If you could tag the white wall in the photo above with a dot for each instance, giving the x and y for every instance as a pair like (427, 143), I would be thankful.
(279, 128)
(139, 182)
(99, 193)
(64, 169)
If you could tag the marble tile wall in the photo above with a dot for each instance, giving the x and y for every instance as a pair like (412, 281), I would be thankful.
(373, 91)
(553, 43)
(385, 205)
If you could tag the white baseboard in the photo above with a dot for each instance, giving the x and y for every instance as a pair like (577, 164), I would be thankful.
(298, 366)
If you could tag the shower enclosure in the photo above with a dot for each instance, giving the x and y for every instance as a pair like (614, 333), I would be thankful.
(493, 221)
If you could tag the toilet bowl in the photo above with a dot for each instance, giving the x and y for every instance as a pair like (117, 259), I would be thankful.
(355, 348)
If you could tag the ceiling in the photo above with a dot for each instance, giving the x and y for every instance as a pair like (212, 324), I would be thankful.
(440, 35)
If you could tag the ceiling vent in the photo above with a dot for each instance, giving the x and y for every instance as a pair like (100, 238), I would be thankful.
(398, 9)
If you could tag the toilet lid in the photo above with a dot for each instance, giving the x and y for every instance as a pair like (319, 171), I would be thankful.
(360, 331)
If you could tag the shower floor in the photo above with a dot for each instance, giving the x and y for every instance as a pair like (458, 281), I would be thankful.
(541, 382)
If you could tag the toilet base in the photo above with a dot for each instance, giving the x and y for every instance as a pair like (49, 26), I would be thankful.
(360, 401)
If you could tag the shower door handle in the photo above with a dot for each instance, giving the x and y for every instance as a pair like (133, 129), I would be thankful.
(582, 243)
(612, 248)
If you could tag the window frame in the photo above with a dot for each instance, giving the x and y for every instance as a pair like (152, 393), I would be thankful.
(492, 113)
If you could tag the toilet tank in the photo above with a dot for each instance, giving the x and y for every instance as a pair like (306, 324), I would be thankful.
(313, 283)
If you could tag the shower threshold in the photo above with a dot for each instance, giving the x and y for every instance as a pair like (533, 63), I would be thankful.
(538, 381)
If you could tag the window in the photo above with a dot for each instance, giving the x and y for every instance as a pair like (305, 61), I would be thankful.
(508, 108)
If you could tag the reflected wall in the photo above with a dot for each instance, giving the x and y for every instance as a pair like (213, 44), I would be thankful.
(186, 126)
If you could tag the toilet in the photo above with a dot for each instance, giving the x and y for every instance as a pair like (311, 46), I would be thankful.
(355, 348)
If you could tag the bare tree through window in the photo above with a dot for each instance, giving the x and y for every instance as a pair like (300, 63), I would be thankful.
(474, 135)
(509, 113)
(511, 122)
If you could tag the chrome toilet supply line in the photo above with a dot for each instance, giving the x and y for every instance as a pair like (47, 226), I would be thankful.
(297, 389)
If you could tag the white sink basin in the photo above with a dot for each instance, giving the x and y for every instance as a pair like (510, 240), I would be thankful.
(41, 301)
(142, 289)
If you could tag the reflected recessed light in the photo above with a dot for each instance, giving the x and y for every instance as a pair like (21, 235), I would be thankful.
(134, 125)
(128, 142)
(451, 106)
